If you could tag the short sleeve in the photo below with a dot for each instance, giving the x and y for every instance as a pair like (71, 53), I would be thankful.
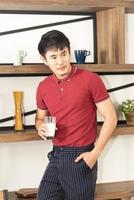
(97, 89)
(39, 98)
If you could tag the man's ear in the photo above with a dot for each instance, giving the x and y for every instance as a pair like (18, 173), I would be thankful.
(44, 60)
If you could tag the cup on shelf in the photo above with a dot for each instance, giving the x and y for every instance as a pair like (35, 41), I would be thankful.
(50, 123)
(80, 56)
(19, 57)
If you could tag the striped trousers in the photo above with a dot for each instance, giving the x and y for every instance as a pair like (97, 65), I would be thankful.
(65, 179)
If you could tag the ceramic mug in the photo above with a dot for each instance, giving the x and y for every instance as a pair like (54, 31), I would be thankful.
(80, 56)
(18, 59)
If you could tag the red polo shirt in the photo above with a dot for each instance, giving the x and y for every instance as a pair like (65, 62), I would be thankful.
(72, 102)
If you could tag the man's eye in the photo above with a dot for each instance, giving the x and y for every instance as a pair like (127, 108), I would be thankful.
(64, 54)
(54, 58)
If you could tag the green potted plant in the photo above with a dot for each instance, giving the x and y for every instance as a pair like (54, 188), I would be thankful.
(127, 108)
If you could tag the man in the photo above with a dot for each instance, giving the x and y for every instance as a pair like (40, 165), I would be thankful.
(73, 96)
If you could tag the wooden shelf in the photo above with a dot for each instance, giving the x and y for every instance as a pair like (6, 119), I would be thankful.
(66, 5)
(32, 69)
(109, 68)
(41, 69)
(18, 136)
(122, 130)
(31, 134)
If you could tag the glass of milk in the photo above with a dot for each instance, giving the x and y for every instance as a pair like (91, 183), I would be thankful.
(50, 123)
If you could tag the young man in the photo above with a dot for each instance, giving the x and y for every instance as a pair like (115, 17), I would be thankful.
(73, 96)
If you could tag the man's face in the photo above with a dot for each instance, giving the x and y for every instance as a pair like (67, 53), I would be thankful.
(58, 61)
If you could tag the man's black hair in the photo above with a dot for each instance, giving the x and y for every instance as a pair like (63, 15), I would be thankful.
(53, 40)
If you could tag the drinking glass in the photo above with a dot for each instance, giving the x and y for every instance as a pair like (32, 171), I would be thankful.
(50, 123)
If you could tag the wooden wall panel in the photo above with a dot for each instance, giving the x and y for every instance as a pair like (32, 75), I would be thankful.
(111, 36)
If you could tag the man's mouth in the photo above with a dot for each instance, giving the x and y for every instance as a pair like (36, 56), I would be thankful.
(61, 68)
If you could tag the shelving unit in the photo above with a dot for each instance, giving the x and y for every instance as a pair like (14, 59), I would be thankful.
(110, 46)
(31, 134)
(41, 69)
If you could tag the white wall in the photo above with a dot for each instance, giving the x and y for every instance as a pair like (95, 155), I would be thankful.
(10, 44)
(22, 163)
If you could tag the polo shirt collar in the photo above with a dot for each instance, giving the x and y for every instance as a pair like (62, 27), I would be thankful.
(68, 77)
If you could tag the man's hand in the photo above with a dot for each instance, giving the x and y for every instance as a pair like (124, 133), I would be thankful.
(90, 158)
(42, 131)
(39, 123)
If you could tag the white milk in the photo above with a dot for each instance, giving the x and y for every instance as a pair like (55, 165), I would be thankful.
(51, 129)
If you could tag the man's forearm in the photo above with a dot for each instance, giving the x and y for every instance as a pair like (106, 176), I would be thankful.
(106, 132)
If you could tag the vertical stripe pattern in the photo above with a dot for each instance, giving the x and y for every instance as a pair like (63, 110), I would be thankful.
(65, 179)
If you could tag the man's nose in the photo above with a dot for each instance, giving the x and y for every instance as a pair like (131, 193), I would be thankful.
(59, 60)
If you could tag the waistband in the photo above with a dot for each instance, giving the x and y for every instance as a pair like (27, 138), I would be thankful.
(73, 149)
